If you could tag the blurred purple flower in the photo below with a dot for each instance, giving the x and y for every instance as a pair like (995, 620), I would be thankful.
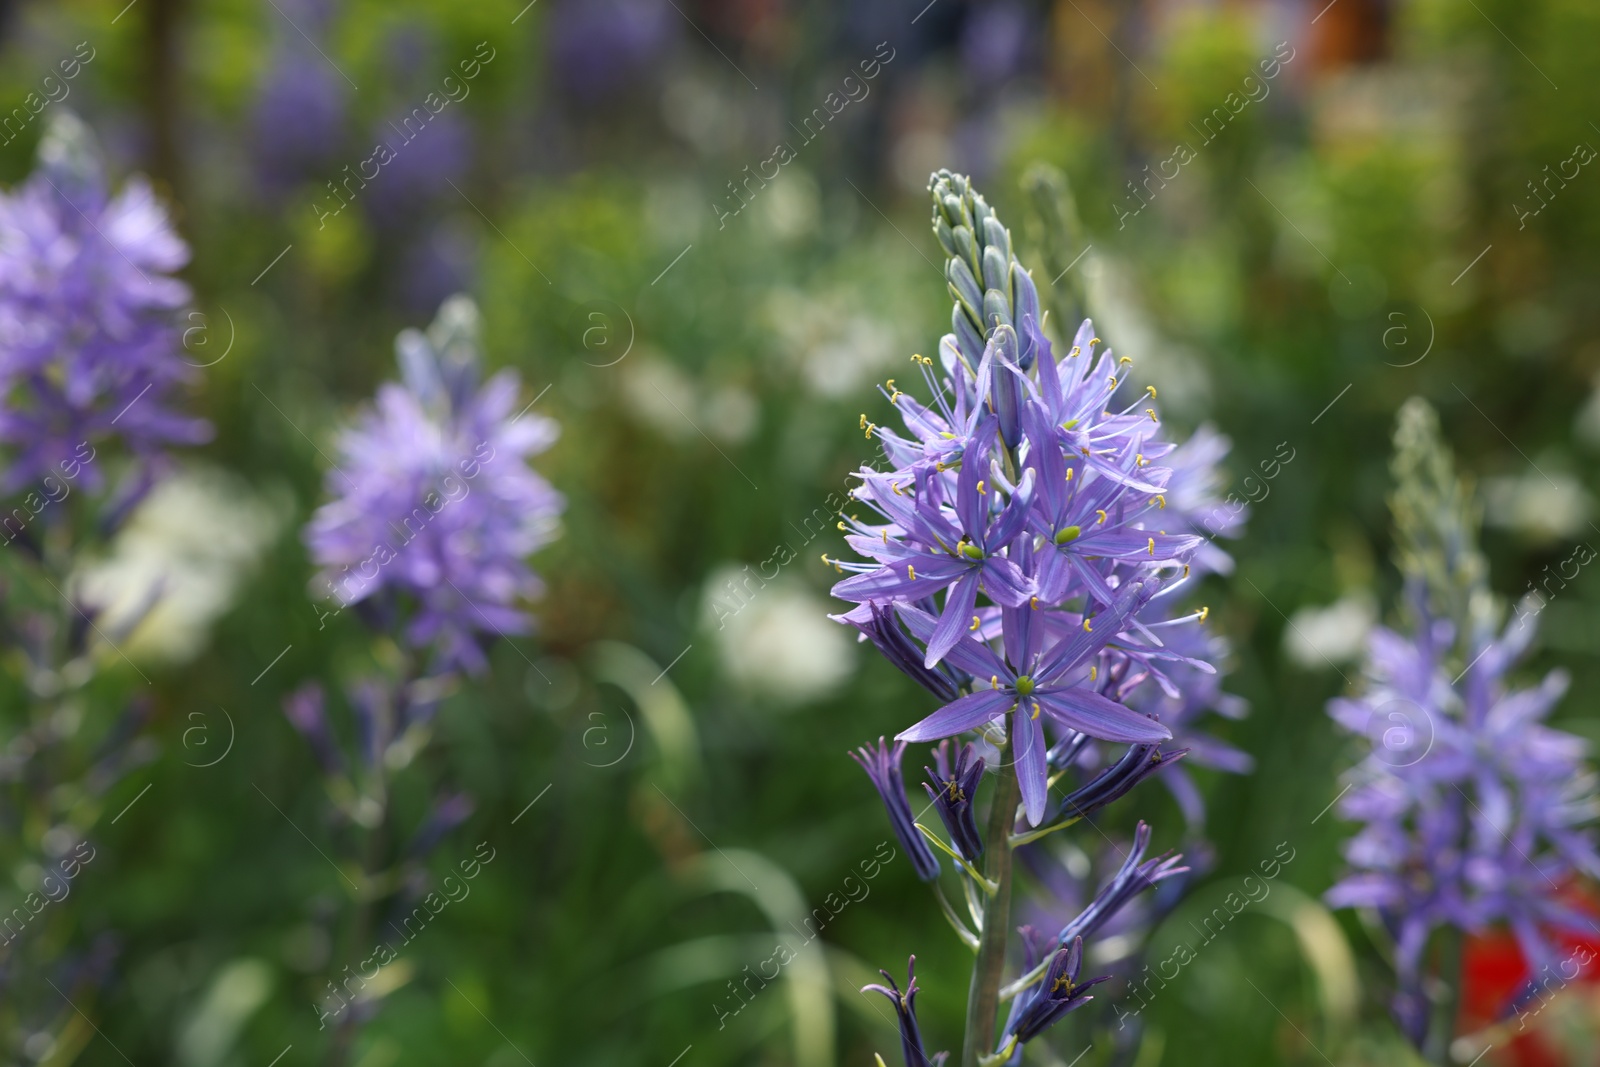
(600, 46)
(994, 41)
(298, 119)
(89, 344)
(426, 160)
(433, 499)
(1472, 808)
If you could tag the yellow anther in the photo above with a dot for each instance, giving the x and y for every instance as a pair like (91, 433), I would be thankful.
(885, 536)
(1151, 390)
(1123, 360)
(911, 572)
(1186, 570)
(1140, 461)
(980, 486)
(1093, 341)
(1160, 501)
(1036, 710)
(842, 527)
(1086, 627)
(1075, 351)
(1069, 474)
(1033, 602)
(974, 625)
(1152, 546)
(1152, 413)
(994, 681)
(863, 424)
(1113, 381)
(896, 487)
(1102, 513)
(1094, 672)
(1204, 611)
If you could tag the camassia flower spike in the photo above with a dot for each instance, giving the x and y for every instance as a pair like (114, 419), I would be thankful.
(1017, 556)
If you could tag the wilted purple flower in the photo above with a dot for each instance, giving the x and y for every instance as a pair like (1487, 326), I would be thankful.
(1137, 763)
(878, 624)
(905, 1007)
(89, 344)
(1025, 535)
(1058, 993)
(433, 500)
(1134, 876)
(882, 764)
(953, 788)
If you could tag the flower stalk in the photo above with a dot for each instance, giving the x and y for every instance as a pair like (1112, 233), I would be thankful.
(983, 997)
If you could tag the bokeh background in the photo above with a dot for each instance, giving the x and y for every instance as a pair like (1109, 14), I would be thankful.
(1362, 229)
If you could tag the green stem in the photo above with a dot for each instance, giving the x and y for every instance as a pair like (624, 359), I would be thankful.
(983, 998)
(1442, 1026)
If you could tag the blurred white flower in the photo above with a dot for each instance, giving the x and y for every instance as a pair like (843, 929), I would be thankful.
(1542, 505)
(1317, 637)
(177, 564)
(661, 396)
(774, 637)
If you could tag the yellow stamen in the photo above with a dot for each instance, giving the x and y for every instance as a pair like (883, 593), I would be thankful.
(980, 486)
(994, 681)
(1113, 381)
(1069, 474)
(1152, 413)
(1152, 546)
(1102, 513)
(1033, 602)
(1075, 351)
(1152, 390)
(1086, 627)
(1093, 341)
(1094, 672)
(1204, 611)
(1123, 360)
(974, 625)
(1036, 710)
(1160, 500)
(842, 527)
(911, 572)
